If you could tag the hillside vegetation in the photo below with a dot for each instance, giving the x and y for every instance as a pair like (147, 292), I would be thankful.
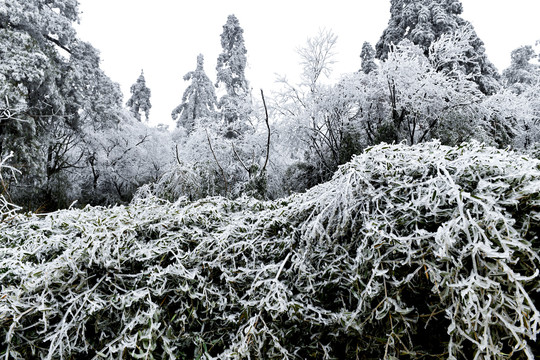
(422, 251)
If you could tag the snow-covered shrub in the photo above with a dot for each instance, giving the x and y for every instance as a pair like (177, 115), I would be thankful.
(210, 164)
(409, 252)
(120, 159)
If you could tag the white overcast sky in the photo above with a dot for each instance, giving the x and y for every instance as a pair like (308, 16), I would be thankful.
(164, 37)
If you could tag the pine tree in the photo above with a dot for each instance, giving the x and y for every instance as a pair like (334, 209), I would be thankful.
(199, 99)
(140, 98)
(423, 22)
(231, 66)
(368, 56)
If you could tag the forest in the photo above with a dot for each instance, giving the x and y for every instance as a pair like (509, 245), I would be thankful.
(391, 214)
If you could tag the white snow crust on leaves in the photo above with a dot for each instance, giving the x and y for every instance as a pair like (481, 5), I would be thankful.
(407, 248)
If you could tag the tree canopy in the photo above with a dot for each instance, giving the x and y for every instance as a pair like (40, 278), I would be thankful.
(423, 22)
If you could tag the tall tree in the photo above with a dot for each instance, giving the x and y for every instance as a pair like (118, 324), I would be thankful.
(55, 80)
(199, 99)
(315, 118)
(231, 66)
(423, 22)
(368, 58)
(139, 102)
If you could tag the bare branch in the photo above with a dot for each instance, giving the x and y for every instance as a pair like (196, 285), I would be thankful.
(58, 43)
(178, 156)
(268, 127)
(217, 162)
(240, 159)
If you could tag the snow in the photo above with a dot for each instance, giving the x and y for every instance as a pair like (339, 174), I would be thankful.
(404, 240)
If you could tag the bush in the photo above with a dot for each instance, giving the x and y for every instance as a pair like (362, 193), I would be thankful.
(407, 252)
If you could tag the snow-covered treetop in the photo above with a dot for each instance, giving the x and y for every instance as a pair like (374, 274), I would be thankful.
(139, 102)
(368, 58)
(232, 61)
(522, 72)
(317, 57)
(199, 99)
(425, 21)
(235, 105)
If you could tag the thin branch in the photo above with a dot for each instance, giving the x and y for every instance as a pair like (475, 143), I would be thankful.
(57, 43)
(240, 159)
(178, 156)
(268, 127)
(217, 162)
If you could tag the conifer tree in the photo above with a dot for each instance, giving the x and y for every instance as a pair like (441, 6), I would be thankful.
(423, 22)
(367, 56)
(231, 65)
(139, 102)
(199, 99)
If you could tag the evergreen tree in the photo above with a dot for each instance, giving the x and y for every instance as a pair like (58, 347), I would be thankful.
(199, 99)
(367, 56)
(140, 98)
(231, 65)
(423, 22)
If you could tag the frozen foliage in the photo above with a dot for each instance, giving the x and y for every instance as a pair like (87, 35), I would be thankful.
(119, 160)
(313, 114)
(522, 80)
(317, 58)
(408, 97)
(45, 22)
(414, 251)
(53, 86)
(209, 164)
(522, 72)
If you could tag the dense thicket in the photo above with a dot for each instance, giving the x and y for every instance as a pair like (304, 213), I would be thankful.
(62, 117)
(408, 252)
